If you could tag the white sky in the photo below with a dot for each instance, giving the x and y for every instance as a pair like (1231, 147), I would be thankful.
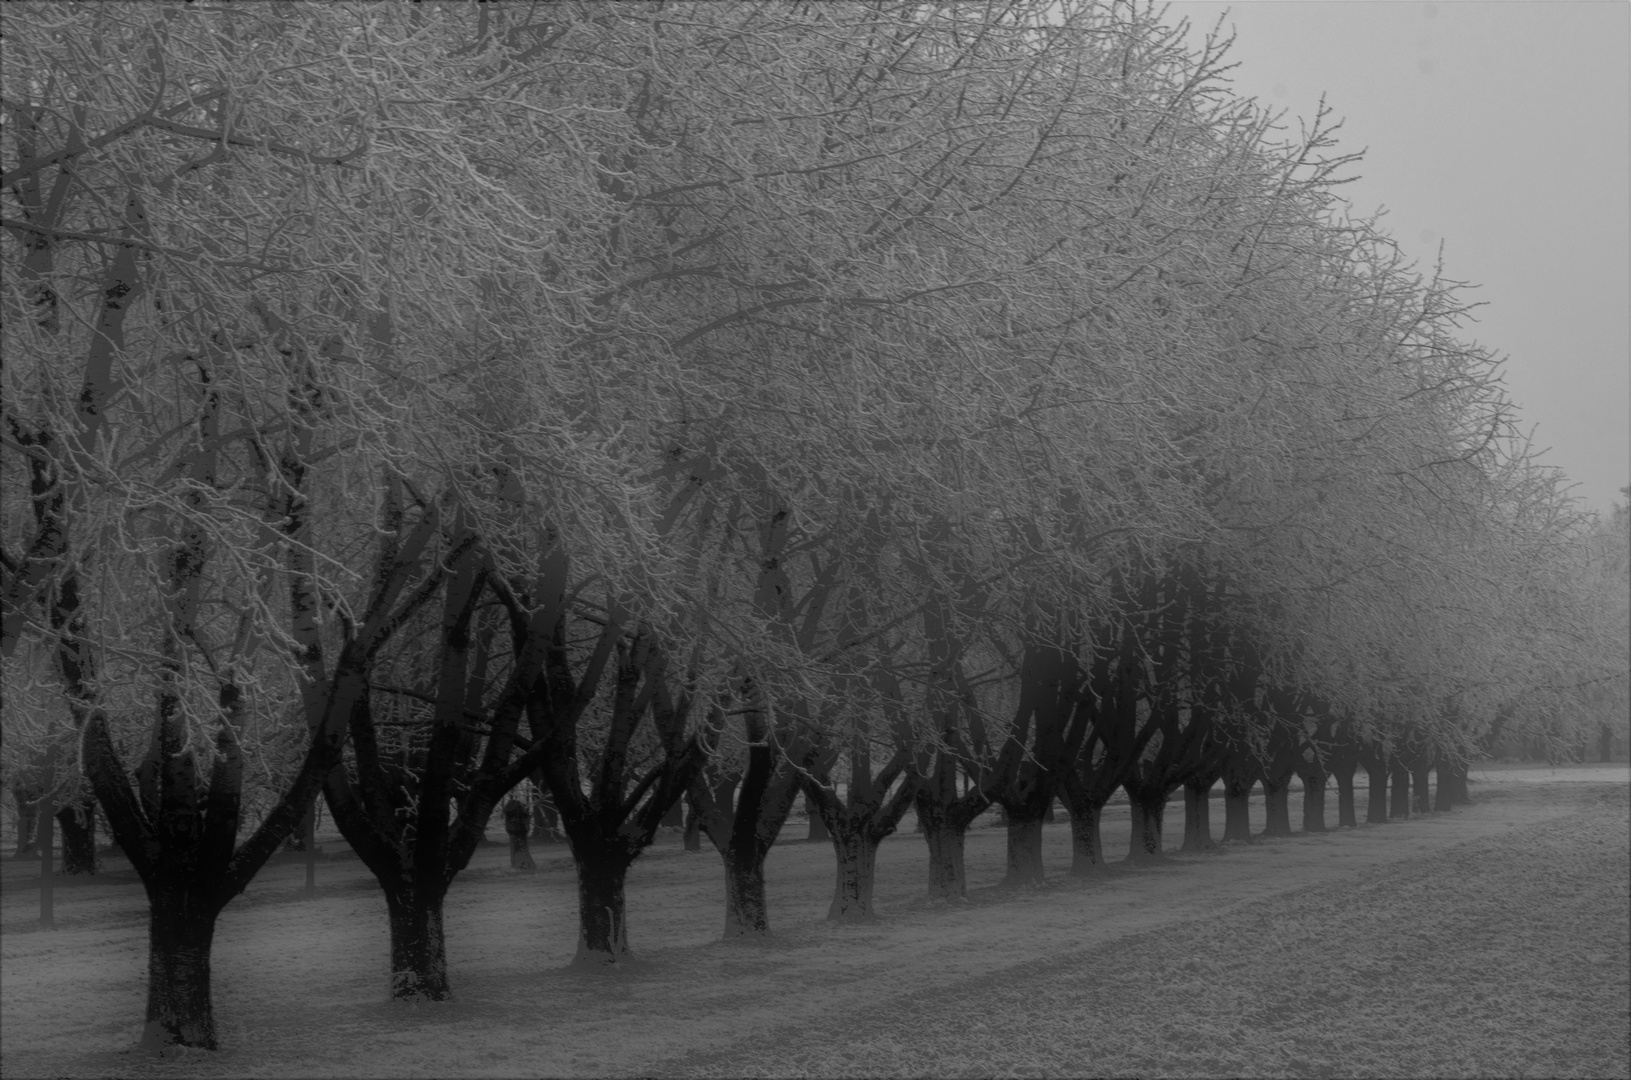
(1504, 130)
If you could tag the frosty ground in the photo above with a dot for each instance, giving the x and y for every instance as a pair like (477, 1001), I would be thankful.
(1492, 940)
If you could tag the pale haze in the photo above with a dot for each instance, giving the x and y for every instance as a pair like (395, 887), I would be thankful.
(1503, 131)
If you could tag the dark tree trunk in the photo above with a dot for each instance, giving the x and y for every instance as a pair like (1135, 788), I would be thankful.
(1198, 814)
(1376, 803)
(1148, 811)
(857, 855)
(859, 822)
(1344, 773)
(693, 827)
(1024, 850)
(1313, 800)
(1605, 743)
(943, 817)
(1452, 785)
(948, 880)
(517, 822)
(1086, 843)
(418, 946)
(28, 820)
(1422, 801)
(1087, 785)
(603, 935)
(180, 935)
(746, 912)
(78, 821)
(1399, 777)
(1237, 795)
(1441, 794)
(818, 828)
(742, 814)
(1277, 805)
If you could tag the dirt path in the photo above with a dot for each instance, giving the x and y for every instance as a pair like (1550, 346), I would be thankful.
(1508, 955)
(300, 984)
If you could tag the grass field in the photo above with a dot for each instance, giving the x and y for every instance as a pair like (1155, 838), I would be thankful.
(1491, 941)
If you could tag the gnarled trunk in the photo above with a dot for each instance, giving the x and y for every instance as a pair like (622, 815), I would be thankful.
(943, 817)
(857, 855)
(1198, 814)
(418, 946)
(603, 933)
(180, 933)
(746, 912)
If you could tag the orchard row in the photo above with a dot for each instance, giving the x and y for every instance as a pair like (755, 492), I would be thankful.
(901, 404)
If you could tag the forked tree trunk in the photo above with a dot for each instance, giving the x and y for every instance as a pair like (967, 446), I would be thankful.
(418, 946)
(943, 817)
(1024, 850)
(857, 854)
(742, 814)
(1399, 806)
(1344, 773)
(179, 937)
(1376, 803)
(1198, 814)
(603, 936)
(1148, 811)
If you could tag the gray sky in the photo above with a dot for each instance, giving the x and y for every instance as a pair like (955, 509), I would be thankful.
(1504, 130)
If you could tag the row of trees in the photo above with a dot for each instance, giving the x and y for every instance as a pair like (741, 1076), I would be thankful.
(901, 404)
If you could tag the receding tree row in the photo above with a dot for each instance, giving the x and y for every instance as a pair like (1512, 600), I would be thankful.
(897, 406)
